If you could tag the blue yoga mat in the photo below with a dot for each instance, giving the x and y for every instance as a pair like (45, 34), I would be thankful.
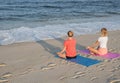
(84, 61)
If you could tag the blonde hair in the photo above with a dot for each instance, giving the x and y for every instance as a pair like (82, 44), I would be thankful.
(70, 34)
(104, 32)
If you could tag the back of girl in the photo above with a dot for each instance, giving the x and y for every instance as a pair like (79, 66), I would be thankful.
(102, 50)
(101, 43)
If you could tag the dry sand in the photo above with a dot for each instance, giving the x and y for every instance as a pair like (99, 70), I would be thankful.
(35, 62)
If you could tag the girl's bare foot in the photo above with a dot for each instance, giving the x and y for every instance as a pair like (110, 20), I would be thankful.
(87, 47)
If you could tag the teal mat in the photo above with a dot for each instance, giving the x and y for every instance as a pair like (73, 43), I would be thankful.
(84, 61)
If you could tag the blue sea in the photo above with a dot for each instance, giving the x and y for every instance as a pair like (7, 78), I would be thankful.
(33, 20)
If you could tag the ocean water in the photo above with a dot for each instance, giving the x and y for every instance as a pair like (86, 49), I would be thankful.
(33, 20)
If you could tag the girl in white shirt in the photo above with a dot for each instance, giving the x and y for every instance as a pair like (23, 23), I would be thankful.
(101, 43)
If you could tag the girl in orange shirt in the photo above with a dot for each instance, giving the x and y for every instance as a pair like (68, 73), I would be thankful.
(69, 50)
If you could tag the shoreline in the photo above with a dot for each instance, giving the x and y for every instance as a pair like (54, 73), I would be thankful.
(35, 62)
(27, 34)
(63, 37)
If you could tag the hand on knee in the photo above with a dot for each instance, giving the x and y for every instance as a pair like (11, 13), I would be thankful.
(87, 47)
(58, 53)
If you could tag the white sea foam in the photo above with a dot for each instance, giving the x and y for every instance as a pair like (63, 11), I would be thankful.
(26, 34)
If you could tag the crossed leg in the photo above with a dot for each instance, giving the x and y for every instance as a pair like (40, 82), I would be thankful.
(62, 55)
(92, 50)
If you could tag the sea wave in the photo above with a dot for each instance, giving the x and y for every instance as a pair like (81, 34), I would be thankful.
(56, 9)
(28, 34)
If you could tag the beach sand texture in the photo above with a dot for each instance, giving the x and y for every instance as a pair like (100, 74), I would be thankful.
(35, 62)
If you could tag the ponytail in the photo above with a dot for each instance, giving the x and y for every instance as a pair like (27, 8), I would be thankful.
(104, 32)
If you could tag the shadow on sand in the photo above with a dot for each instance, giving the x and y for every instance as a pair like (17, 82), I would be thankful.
(49, 48)
(78, 46)
(54, 49)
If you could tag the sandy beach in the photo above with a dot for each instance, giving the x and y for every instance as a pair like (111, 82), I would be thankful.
(36, 62)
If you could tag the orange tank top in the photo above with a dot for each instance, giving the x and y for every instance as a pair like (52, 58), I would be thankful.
(70, 45)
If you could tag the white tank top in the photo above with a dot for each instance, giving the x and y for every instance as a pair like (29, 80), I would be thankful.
(103, 42)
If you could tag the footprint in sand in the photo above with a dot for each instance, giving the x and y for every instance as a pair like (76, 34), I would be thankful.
(49, 66)
(46, 68)
(106, 60)
(101, 67)
(2, 80)
(6, 75)
(115, 81)
(62, 78)
(78, 74)
(2, 64)
(27, 71)
(75, 76)
(93, 78)
(112, 70)
(64, 62)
